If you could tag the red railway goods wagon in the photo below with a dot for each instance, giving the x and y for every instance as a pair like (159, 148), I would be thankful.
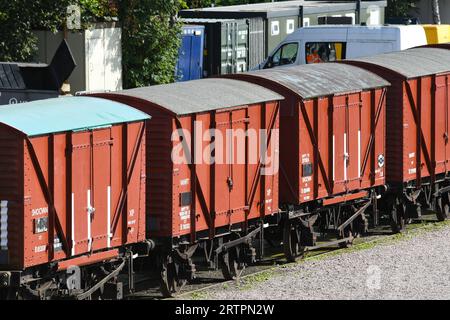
(332, 149)
(72, 191)
(203, 202)
(418, 151)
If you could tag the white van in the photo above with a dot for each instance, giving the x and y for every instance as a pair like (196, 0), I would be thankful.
(337, 42)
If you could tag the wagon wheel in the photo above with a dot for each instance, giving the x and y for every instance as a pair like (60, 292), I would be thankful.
(442, 208)
(228, 263)
(170, 280)
(229, 260)
(292, 241)
(349, 231)
(346, 233)
(360, 225)
(398, 221)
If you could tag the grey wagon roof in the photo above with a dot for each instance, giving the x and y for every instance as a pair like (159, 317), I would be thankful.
(413, 63)
(203, 95)
(317, 80)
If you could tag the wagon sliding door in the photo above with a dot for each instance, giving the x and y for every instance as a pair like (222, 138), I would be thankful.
(346, 143)
(441, 118)
(340, 144)
(237, 166)
(223, 180)
(245, 187)
(91, 185)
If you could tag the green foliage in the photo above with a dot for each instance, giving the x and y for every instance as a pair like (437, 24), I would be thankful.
(151, 38)
(401, 8)
(193, 4)
(16, 39)
(235, 2)
(19, 17)
(95, 10)
(150, 32)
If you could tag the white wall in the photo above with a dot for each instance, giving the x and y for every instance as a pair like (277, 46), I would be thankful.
(103, 59)
(97, 52)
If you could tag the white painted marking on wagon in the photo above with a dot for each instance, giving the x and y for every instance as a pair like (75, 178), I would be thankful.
(4, 225)
(108, 222)
(89, 212)
(345, 157)
(359, 153)
(334, 158)
(73, 224)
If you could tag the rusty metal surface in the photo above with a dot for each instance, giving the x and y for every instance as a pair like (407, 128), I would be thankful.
(202, 95)
(317, 80)
(232, 191)
(418, 101)
(413, 63)
(337, 137)
(84, 189)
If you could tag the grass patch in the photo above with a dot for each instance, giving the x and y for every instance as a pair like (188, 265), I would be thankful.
(250, 281)
(199, 295)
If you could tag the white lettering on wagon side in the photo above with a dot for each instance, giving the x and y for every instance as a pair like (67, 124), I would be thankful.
(39, 249)
(185, 226)
(306, 158)
(307, 179)
(185, 215)
(39, 211)
(306, 190)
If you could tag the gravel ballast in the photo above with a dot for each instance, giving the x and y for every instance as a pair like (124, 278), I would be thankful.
(415, 267)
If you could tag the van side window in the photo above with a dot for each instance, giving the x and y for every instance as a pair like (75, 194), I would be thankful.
(286, 54)
(317, 52)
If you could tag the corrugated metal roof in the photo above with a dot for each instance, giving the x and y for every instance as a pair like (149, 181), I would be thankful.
(10, 77)
(317, 80)
(67, 114)
(202, 95)
(279, 8)
(413, 63)
(205, 20)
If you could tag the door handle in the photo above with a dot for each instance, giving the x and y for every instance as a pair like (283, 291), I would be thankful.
(91, 212)
(230, 183)
(346, 158)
